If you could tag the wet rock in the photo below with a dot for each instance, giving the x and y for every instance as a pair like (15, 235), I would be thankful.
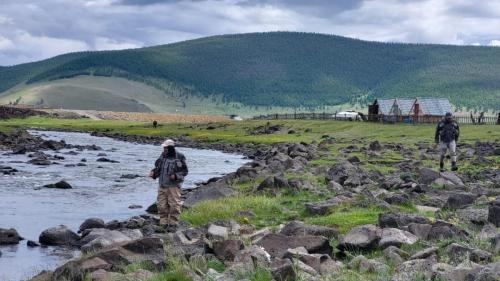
(413, 269)
(152, 209)
(363, 237)
(9, 236)
(297, 228)
(92, 223)
(396, 237)
(277, 244)
(130, 176)
(460, 200)
(227, 250)
(32, 243)
(40, 162)
(398, 220)
(104, 159)
(134, 206)
(59, 185)
(59, 235)
(99, 238)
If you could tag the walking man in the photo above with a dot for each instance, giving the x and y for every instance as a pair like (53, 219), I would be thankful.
(447, 133)
(170, 169)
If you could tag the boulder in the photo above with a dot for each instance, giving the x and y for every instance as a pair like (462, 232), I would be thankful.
(463, 272)
(363, 237)
(227, 250)
(398, 220)
(425, 253)
(297, 228)
(92, 223)
(278, 244)
(490, 272)
(375, 146)
(59, 235)
(414, 270)
(495, 243)
(452, 178)
(460, 200)
(210, 191)
(9, 236)
(364, 265)
(32, 243)
(427, 175)
(421, 230)
(395, 255)
(443, 230)
(473, 215)
(104, 159)
(325, 207)
(99, 238)
(59, 185)
(147, 251)
(396, 237)
(283, 269)
(494, 213)
(397, 199)
(152, 209)
(217, 232)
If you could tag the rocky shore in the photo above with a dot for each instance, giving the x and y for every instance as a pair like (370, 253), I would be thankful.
(451, 233)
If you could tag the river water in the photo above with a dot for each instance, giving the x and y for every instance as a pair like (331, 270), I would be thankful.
(98, 191)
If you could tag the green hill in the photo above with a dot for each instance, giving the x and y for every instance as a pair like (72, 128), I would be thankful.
(282, 69)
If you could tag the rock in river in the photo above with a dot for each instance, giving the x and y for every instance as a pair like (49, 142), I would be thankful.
(59, 185)
(9, 236)
(59, 235)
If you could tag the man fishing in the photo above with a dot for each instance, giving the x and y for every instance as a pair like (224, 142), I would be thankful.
(446, 136)
(170, 169)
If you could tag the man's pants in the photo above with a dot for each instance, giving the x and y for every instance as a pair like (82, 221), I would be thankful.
(169, 205)
(452, 147)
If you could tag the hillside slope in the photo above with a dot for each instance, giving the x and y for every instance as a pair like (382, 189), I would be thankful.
(287, 69)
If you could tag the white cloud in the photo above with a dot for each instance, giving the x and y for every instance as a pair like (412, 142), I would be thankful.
(494, 43)
(53, 27)
(103, 43)
(5, 43)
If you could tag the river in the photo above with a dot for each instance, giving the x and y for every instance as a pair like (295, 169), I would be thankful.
(98, 191)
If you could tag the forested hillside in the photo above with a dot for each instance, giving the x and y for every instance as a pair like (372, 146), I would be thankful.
(289, 69)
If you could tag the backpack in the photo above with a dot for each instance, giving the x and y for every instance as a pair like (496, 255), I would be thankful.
(448, 132)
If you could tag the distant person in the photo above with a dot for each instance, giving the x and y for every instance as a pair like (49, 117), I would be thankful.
(446, 136)
(155, 124)
(171, 169)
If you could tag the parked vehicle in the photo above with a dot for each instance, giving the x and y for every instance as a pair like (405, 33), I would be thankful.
(350, 115)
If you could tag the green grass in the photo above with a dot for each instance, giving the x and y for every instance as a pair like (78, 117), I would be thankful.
(348, 218)
(237, 132)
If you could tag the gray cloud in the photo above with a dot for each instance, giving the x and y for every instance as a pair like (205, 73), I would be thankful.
(34, 29)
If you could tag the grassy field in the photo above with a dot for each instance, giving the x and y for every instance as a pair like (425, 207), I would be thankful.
(243, 132)
(269, 210)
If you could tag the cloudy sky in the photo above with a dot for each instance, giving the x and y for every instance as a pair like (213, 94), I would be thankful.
(31, 30)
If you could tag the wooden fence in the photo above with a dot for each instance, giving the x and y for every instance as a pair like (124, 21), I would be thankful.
(478, 120)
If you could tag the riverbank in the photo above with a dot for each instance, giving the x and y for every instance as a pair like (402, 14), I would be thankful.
(370, 203)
